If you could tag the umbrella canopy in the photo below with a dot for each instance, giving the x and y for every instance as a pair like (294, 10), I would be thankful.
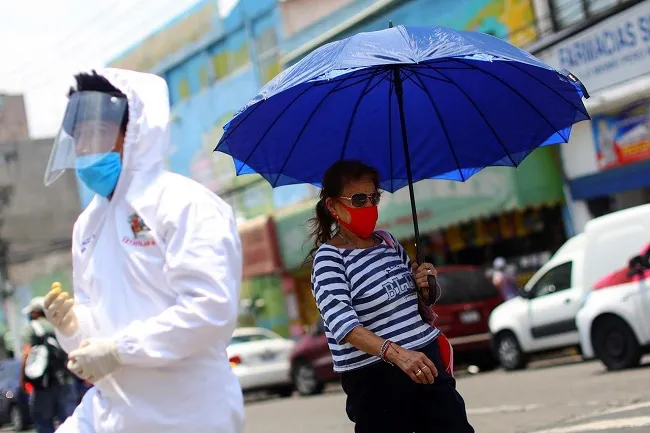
(465, 100)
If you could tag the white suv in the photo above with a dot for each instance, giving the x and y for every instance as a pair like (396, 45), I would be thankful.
(543, 318)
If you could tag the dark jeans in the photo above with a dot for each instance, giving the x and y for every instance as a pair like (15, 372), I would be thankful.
(47, 404)
(382, 398)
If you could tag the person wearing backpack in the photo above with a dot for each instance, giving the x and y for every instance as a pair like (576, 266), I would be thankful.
(44, 368)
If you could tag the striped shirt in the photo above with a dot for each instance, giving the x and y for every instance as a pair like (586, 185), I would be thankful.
(369, 287)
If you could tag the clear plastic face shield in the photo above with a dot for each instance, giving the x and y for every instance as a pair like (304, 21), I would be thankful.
(90, 131)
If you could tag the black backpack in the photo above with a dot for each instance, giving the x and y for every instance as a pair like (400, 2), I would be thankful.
(46, 362)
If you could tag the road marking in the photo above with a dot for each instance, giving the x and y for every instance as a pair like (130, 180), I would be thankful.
(610, 424)
(620, 409)
(502, 409)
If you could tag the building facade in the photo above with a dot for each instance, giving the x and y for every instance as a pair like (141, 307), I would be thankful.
(607, 161)
(36, 231)
(218, 63)
(13, 118)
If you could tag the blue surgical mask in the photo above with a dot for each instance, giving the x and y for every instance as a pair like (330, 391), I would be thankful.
(100, 172)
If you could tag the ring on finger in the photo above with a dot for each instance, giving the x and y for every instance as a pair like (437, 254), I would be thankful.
(418, 373)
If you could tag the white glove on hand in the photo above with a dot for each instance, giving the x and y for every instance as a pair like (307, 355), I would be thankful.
(59, 312)
(95, 359)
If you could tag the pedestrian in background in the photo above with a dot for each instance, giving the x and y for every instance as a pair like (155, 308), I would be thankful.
(365, 288)
(157, 268)
(54, 395)
(503, 279)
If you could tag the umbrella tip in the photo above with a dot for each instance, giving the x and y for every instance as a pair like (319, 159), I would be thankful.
(390, 24)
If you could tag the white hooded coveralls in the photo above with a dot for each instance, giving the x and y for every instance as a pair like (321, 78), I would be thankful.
(157, 268)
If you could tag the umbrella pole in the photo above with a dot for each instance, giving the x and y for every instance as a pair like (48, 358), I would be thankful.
(399, 91)
(419, 254)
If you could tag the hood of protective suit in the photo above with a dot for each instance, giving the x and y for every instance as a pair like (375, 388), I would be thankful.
(147, 138)
(146, 143)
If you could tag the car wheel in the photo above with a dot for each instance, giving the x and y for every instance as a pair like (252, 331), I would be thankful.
(615, 344)
(509, 352)
(17, 419)
(305, 380)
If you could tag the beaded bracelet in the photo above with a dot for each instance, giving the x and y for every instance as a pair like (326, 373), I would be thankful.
(382, 352)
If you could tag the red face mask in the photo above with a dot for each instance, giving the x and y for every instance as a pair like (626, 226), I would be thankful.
(362, 220)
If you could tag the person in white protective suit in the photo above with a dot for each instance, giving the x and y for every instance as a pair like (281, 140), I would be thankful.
(157, 268)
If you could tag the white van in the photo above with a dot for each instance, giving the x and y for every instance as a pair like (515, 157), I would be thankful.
(543, 318)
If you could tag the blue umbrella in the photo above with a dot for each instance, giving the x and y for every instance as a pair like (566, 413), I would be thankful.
(415, 103)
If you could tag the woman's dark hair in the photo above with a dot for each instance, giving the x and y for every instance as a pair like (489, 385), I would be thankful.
(335, 179)
(97, 83)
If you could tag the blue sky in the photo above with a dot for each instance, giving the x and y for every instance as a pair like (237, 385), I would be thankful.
(45, 42)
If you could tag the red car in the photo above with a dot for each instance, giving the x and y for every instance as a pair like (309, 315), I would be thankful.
(468, 298)
(311, 362)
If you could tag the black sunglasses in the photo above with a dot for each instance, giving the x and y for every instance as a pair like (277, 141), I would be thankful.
(360, 199)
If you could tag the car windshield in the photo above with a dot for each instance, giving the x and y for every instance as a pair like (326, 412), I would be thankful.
(464, 286)
(249, 338)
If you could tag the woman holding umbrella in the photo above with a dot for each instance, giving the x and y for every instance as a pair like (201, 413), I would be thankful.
(365, 288)
(412, 103)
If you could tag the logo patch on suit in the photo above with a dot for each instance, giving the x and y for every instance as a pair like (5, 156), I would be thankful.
(85, 243)
(141, 233)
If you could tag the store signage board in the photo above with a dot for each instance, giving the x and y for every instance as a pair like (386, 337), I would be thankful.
(611, 52)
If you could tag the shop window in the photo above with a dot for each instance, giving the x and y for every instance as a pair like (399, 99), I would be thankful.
(568, 12)
(597, 6)
(270, 69)
(266, 42)
(240, 57)
(203, 77)
(184, 89)
(599, 206)
(220, 65)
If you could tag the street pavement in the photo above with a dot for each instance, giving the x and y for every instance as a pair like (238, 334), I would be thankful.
(556, 396)
(561, 396)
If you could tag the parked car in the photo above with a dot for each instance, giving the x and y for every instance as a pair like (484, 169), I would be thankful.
(543, 319)
(467, 300)
(614, 324)
(468, 297)
(260, 360)
(311, 362)
(14, 403)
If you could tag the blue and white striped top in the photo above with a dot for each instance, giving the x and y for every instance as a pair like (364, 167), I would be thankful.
(369, 287)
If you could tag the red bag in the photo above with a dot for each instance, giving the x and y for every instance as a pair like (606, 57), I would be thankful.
(429, 316)
(446, 353)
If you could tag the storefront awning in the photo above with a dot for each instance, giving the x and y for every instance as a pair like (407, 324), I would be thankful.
(491, 192)
(440, 203)
(608, 182)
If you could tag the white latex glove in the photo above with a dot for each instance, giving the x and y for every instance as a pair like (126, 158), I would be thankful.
(95, 359)
(59, 312)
